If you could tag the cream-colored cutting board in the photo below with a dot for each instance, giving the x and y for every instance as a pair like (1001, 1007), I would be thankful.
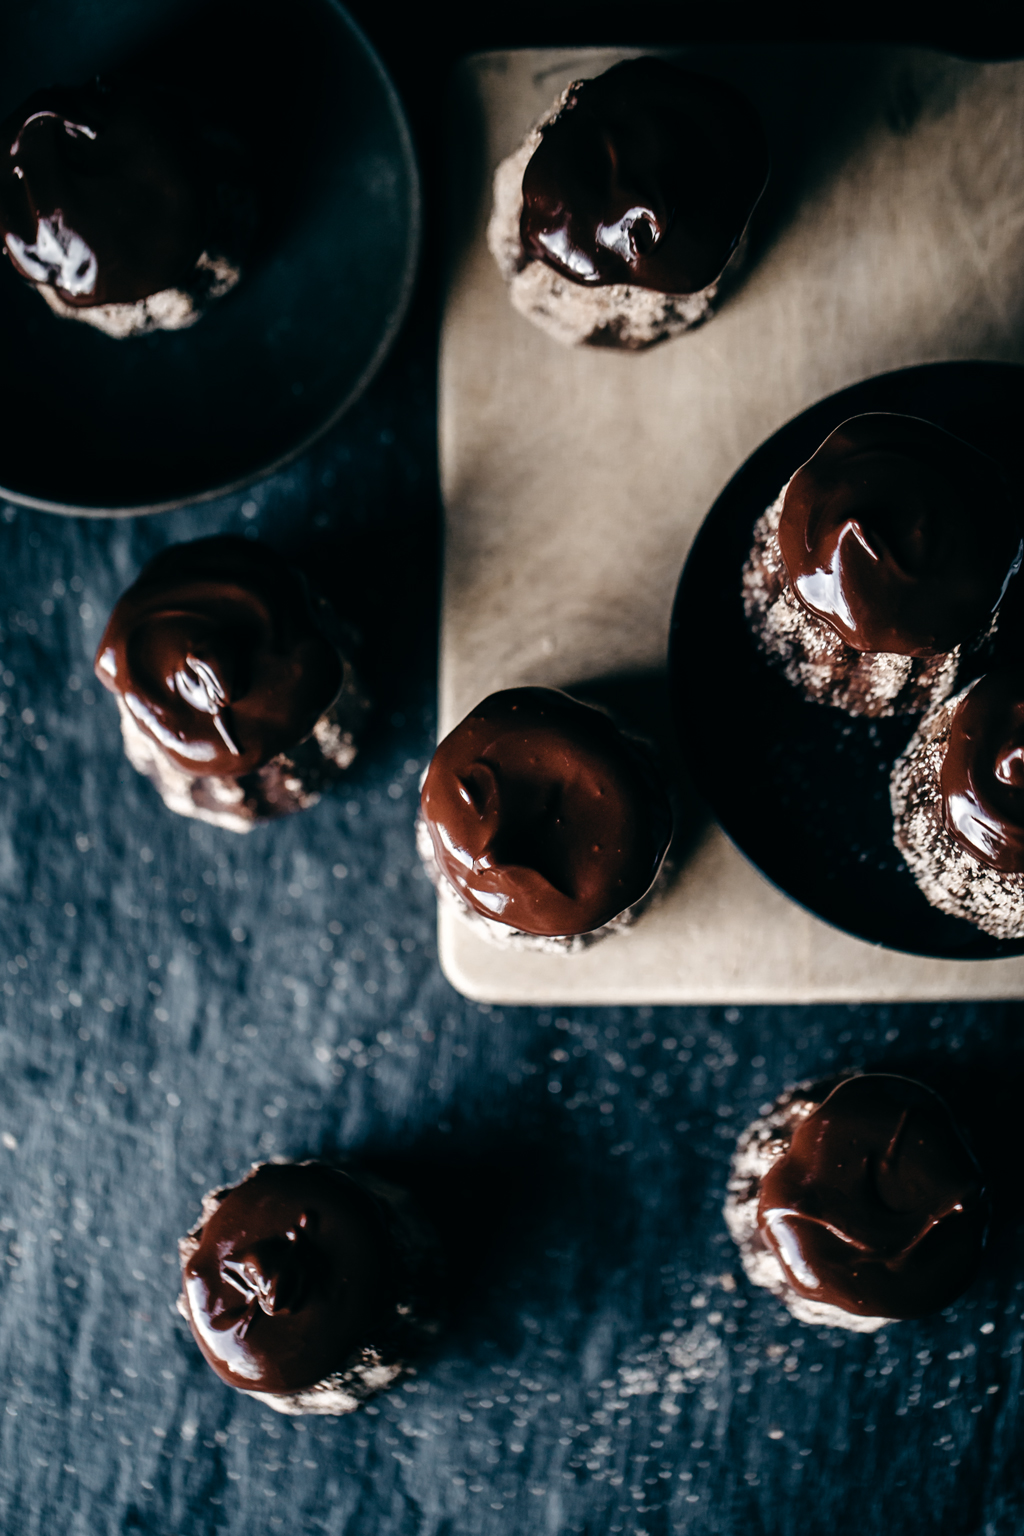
(574, 480)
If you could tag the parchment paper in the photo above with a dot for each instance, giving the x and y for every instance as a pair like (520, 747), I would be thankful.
(574, 480)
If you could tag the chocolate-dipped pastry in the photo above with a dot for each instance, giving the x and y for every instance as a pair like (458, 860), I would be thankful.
(982, 773)
(300, 1285)
(541, 819)
(858, 1203)
(881, 563)
(236, 697)
(615, 219)
(957, 796)
(108, 205)
(647, 177)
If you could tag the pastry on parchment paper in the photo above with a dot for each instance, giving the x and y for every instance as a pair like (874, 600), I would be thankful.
(619, 215)
(541, 823)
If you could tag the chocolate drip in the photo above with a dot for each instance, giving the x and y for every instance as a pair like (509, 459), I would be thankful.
(541, 814)
(96, 197)
(294, 1272)
(648, 176)
(215, 654)
(877, 1206)
(899, 536)
(982, 774)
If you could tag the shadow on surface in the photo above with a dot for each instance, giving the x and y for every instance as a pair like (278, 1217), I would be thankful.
(984, 1095)
(382, 582)
(522, 1221)
(818, 103)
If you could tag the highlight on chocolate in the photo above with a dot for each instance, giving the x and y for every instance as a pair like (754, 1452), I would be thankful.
(236, 694)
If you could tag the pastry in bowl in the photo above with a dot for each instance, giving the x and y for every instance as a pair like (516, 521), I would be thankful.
(877, 573)
(120, 209)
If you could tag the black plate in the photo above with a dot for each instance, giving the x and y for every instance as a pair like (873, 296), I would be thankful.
(802, 789)
(88, 424)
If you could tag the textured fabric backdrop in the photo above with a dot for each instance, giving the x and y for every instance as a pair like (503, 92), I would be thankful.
(178, 1001)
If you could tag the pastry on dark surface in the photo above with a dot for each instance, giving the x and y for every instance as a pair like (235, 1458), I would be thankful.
(114, 205)
(300, 1285)
(540, 822)
(878, 571)
(957, 796)
(237, 699)
(858, 1202)
(615, 219)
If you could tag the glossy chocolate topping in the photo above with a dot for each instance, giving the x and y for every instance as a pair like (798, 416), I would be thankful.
(293, 1273)
(648, 176)
(982, 774)
(542, 815)
(216, 655)
(899, 535)
(96, 200)
(877, 1207)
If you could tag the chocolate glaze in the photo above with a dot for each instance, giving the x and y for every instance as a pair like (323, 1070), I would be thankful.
(982, 774)
(899, 536)
(648, 176)
(294, 1272)
(215, 653)
(96, 197)
(877, 1207)
(541, 814)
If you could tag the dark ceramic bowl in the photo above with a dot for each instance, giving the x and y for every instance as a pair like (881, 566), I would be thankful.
(104, 427)
(803, 789)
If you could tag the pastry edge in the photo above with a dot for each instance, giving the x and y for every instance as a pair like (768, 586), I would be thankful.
(502, 936)
(172, 309)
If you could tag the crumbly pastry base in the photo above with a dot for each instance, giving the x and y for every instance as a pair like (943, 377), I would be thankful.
(371, 1369)
(810, 653)
(947, 875)
(173, 309)
(504, 937)
(616, 315)
(341, 1393)
(290, 782)
(761, 1145)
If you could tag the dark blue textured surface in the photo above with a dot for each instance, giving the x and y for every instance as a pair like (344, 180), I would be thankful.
(178, 1001)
